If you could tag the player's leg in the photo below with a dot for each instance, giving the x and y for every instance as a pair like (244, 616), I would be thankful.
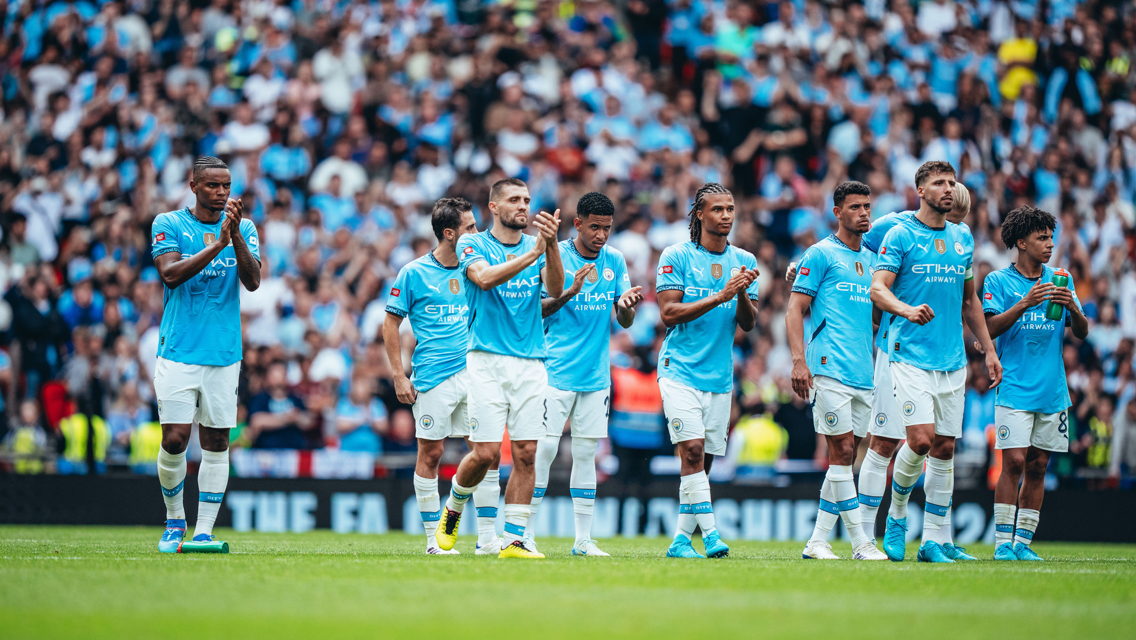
(486, 498)
(556, 407)
(176, 388)
(886, 433)
(433, 411)
(1012, 439)
(716, 418)
(525, 392)
(212, 479)
(1050, 433)
(862, 548)
(216, 416)
(426, 488)
(914, 396)
(683, 410)
(832, 418)
(487, 412)
(950, 404)
(589, 424)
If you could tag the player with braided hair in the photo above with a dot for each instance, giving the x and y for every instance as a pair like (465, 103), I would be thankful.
(706, 289)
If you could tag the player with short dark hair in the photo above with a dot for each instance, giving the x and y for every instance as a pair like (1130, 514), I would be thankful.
(435, 297)
(1031, 406)
(707, 288)
(578, 329)
(925, 262)
(507, 376)
(203, 255)
(834, 373)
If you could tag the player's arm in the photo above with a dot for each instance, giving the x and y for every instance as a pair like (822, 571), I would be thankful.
(549, 306)
(795, 331)
(883, 298)
(999, 323)
(877, 315)
(625, 306)
(552, 275)
(972, 316)
(746, 313)
(248, 265)
(174, 270)
(487, 276)
(392, 341)
(674, 311)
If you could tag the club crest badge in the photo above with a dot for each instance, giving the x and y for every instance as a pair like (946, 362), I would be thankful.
(958, 248)
(735, 271)
(608, 274)
(676, 424)
(426, 422)
(716, 270)
(830, 419)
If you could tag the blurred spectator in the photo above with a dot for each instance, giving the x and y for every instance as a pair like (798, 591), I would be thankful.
(278, 418)
(361, 420)
(27, 441)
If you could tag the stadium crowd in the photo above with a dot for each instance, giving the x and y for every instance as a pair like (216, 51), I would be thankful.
(343, 121)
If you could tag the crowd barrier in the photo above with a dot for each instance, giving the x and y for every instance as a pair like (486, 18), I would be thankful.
(382, 505)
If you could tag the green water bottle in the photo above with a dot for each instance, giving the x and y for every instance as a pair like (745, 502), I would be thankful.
(1055, 311)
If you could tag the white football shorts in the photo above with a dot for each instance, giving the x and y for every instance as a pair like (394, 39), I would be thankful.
(1020, 429)
(587, 412)
(197, 392)
(930, 397)
(505, 390)
(693, 414)
(839, 408)
(887, 421)
(442, 412)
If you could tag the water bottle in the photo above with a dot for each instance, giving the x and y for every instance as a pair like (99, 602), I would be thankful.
(1053, 310)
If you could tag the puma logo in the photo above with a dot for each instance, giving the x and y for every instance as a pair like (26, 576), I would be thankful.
(921, 246)
(187, 234)
(699, 271)
(434, 288)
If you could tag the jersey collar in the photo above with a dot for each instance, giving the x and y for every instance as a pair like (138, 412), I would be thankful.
(1013, 267)
(834, 238)
(699, 246)
(439, 264)
(916, 220)
(189, 212)
(503, 244)
(576, 252)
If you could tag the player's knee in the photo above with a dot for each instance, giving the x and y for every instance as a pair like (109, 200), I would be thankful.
(919, 443)
(175, 442)
(695, 455)
(1035, 468)
(430, 454)
(524, 452)
(943, 448)
(884, 446)
(1013, 463)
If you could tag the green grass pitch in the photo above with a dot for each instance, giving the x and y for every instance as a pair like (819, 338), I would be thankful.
(99, 582)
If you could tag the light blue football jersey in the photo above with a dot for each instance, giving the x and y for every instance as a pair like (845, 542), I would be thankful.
(1031, 350)
(699, 353)
(201, 319)
(931, 267)
(579, 334)
(872, 240)
(839, 280)
(436, 299)
(505, 319)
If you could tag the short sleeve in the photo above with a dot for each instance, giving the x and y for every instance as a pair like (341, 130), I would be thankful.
(992, 295)
(252, 240)
(622, 279)
(893, 250)
(670, 273)
(810, 272)
(469, 252)
(164, 236)
(398, 302)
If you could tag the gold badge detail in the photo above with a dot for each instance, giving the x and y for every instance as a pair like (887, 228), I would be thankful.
(210, 238)
(592, 277)
(455, 288)
(859, 269)
(940, 246)
(716, 270)
(510, 256)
